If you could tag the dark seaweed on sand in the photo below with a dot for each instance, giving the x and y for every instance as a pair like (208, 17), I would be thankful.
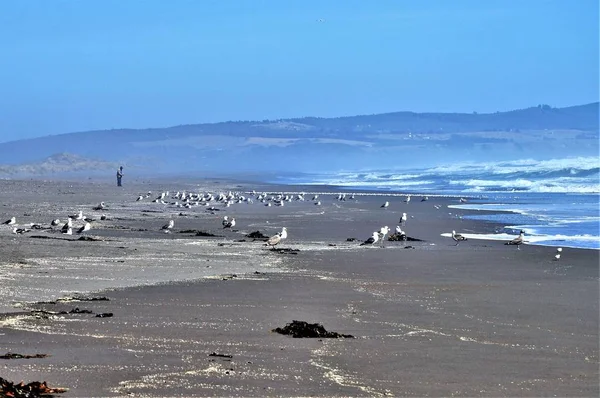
(12, 355)
(34, 389)
(257, 235)
(301, 329)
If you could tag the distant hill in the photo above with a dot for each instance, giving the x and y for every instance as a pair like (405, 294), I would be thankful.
(310, 144)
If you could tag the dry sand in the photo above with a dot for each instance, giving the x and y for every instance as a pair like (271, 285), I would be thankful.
(430, 318)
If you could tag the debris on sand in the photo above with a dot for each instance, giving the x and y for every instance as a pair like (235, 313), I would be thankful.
(257, 235)
(301, 329)
(197, 232)
(214, 354)
(285, 250)
(90, 239)
(403, 238)
(12, 355)
(32, 390)
(84, 298)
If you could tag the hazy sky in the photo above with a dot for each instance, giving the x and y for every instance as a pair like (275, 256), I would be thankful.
(79, 65)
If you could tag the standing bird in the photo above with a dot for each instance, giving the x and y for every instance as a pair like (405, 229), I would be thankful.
(559, 249)
(230, 224)
(518, 241)
(403, 219)
(225, 221)
(407, 200)
(457, 238)
(13, 220)
(169, 226)
(383, 233)
(68, 225)
(78, 216)
(557, 257)
(100, 206)
(385, 205)
(85, 228)
(372, 240)
(277, 238)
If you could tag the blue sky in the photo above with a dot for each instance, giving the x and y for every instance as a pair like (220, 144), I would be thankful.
(95, 64)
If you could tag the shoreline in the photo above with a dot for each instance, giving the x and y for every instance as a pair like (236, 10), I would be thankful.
(414, 307)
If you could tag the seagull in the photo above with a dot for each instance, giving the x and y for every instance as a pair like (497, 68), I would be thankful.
(68, 231)
(463, 200)
(386, 204)
(103, 217)
(558, 250)
(424, 199)
(20, 230)
(518, 241)
(85, 228)
(372, 240)
(400, 233)
(230, 224)
(12, 221)
(283, 233)
(67, 225)
(100, 206)
(403, 219)
(168, 227)
(54, 223)
(78, 216)
(382, 234)
(457, 237)
(557, 257)
(139, 198)
(225, 221)
(277, 238)
(407, 200)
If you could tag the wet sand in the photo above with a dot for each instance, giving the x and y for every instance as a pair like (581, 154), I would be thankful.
(430, 318)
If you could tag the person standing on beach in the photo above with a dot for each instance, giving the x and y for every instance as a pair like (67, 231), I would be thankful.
(119, 176)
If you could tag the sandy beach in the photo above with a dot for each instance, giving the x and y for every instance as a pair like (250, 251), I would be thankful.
(193, 315)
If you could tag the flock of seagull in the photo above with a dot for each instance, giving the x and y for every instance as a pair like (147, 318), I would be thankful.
(183, 199)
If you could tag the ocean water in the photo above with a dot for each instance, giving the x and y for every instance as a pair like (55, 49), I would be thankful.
(556, 202)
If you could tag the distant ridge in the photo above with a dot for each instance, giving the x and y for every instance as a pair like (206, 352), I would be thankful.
(320, 143)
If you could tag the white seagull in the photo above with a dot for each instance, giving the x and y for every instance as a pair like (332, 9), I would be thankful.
(372, 240)
(457, 238)
(78, 216)
(67, 225)
(403, 219)
(55, 222)
(13, 220)
(557, 257)
(100, 206)
(407, 200)
(383, 233)
(225, 221)
(385, 205)
(85, 228)
(230, 224)
(168, 227)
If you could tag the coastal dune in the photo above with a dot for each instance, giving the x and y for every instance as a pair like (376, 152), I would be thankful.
(193, 315)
